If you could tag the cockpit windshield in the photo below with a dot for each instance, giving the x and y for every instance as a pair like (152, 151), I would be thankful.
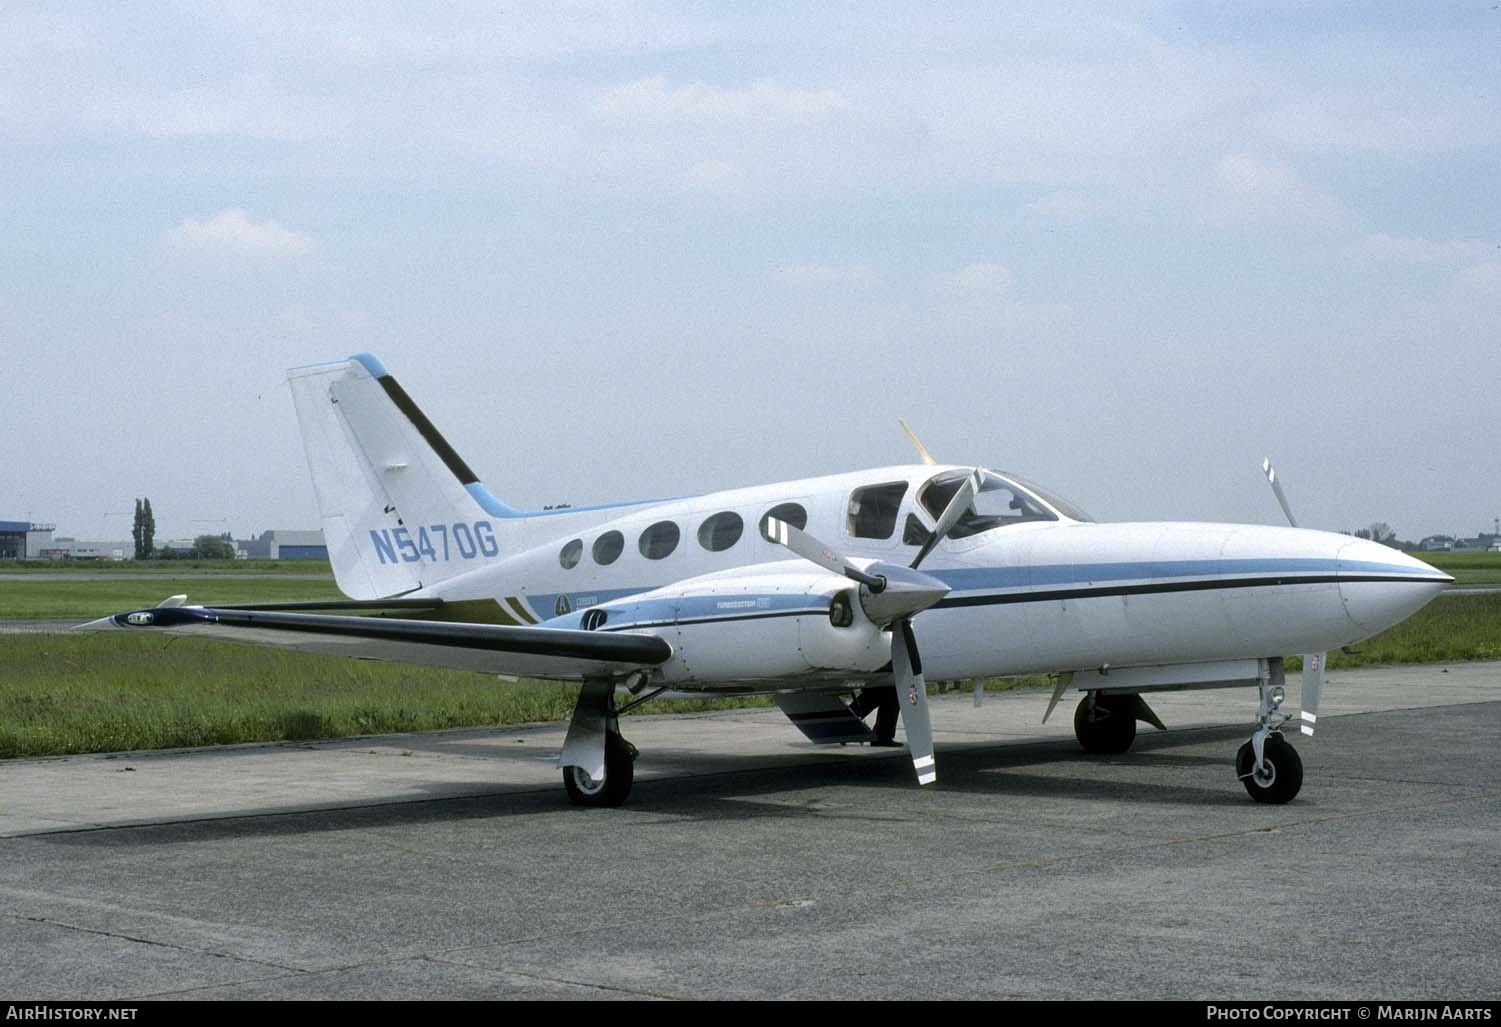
(1066, 507)
(999, 502)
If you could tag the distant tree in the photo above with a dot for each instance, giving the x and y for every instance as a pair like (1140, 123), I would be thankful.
(212, 547)
(1381, 532)
(143, 530)
(148, 528)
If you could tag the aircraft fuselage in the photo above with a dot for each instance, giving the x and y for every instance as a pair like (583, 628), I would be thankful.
(1035, 596)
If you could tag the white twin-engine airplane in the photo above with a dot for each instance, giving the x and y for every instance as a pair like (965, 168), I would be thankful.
(815, 591)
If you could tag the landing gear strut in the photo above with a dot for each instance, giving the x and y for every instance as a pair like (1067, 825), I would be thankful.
(1267, 765)
(888, 710)
(598, 764)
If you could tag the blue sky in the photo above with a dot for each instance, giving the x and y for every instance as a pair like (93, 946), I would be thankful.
(624, 250)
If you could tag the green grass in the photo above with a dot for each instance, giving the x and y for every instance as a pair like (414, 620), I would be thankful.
(166, 566)
(1451, 629)
(67, 693)
(64, 693)
(1467, 568)
(52, 599)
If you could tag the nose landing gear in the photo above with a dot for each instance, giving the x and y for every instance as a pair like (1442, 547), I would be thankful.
(1267, 765)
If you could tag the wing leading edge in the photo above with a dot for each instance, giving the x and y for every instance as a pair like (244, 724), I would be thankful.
(558, 653)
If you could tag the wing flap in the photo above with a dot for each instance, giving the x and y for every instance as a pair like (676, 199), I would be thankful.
(824, 718)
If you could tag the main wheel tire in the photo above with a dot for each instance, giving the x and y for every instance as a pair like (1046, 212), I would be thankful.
(1111, 728)
(620, 773)
(1281, 776)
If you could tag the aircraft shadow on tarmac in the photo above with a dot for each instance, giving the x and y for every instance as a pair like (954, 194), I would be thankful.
(737, 787)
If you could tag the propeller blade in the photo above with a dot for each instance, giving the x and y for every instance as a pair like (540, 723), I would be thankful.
(951, 514)
(809, 548)
(1271, 479)
(922, 450)
(912, 692)
(1313, 686)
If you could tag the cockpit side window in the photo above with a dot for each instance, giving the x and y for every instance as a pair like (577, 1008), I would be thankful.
(914, 533)
(996, 505)
(873, 509)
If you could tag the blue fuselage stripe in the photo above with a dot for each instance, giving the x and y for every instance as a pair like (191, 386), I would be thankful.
(984, 586)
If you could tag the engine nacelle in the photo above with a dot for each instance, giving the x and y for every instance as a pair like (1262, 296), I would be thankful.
(750, 626)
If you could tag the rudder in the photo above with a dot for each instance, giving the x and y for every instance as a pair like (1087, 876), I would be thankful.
(400, 510)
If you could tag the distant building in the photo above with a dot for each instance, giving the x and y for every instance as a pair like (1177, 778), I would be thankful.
(65, 547)
(285, 545)
(24, 540)
(1436, 544)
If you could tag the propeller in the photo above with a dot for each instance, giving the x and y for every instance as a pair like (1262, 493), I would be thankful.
(809, 548)
(922, 451)
(1313, 663)
(891, 595)
(1271, 479)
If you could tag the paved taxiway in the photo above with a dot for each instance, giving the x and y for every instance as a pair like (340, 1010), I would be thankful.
(748, 864)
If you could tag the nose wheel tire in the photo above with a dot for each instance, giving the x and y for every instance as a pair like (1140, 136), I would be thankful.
(1281, 774)
(1105, 727)
(620, 772)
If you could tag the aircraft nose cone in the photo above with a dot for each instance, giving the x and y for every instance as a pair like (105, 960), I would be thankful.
(1382, 586)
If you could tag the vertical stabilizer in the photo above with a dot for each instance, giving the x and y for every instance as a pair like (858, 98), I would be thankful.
(400, 509)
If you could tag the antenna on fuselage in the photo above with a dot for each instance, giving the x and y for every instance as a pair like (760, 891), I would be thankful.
(922, 450)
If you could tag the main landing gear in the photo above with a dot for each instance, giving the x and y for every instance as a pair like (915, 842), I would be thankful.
(1267, 765)
(1106, 724)
(614, 785)
(598, 764)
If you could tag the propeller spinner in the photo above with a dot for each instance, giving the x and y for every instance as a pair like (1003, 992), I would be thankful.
(891, 595)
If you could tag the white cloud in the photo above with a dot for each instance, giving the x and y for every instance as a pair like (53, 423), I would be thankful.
(1245, 187)
(1243, 174)
(246, 106)
(1484, 277)
(1357, 125)
(231, 232)
(1422, 251)
(976, 282)
(720, 177)
(483, 33)
(735, 140)
(1065, 205)
(658, 104)
(828, 274)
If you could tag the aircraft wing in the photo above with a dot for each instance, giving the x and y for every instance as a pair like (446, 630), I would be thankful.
(557, 653)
